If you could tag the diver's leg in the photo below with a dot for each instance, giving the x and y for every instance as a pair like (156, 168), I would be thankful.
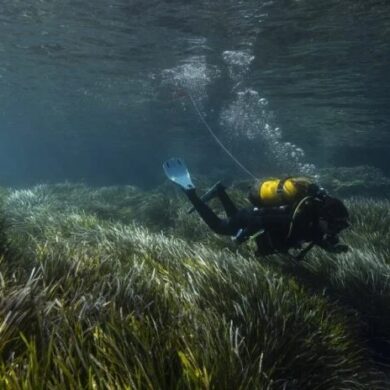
(228, 205)
(176, 171)
(218, 225)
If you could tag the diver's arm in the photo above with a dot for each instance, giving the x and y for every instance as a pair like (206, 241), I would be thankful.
(257, 219)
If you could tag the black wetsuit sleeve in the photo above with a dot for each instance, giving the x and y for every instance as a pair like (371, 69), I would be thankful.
(275, 219)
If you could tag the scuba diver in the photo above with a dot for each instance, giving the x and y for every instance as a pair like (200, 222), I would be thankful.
(291, 213)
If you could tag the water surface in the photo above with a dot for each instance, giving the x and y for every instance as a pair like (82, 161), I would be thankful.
(98, 91)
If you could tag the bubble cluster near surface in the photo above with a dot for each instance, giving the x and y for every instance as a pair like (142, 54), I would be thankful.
(193, 77)
(248, 117)
(238, 63)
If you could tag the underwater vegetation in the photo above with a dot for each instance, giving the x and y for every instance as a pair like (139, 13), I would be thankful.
(120, 288)
(364, 180)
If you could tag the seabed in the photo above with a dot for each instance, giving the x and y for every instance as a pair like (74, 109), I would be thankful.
(119, 288)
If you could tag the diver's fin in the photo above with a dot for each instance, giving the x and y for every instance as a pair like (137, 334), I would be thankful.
(208, 195)
(177, 172)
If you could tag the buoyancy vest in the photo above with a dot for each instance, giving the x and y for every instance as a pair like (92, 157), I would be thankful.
(278, 192)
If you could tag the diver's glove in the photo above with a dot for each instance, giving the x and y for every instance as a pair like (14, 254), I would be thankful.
(241, 236)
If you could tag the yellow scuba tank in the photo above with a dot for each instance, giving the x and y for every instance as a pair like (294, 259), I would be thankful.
(278, 192)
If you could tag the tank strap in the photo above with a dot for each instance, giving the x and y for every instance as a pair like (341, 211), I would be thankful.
(303, 252)
(280, 188)
(295, 213)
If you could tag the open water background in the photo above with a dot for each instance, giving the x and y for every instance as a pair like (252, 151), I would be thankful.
(98, 91)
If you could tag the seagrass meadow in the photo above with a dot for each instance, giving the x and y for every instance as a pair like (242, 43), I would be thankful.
(106, 280)
(119, 288)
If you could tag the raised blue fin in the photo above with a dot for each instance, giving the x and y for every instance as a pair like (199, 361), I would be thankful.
(177, 172)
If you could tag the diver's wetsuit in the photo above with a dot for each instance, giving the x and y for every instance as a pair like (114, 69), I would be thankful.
(250, 219)
(278, 235)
